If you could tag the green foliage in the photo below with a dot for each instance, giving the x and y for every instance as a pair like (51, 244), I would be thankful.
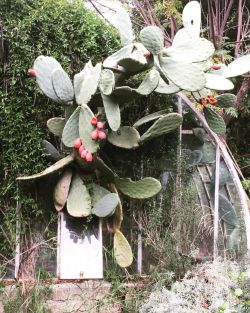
(60, 28)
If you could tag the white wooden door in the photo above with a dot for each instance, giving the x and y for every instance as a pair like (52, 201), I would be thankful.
(79, 252)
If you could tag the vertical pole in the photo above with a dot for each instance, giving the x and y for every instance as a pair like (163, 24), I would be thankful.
(216, 202)
(18, 235)
(139, 249)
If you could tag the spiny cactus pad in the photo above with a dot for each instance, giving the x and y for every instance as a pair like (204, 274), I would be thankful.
(51, 151)
(194, 50)
(141, 189)
(200, 134)
(126, 137)
(103, 168)
(62, 85)
(113, 60)
(152, 39)
(50, 170)
(61, 190)
(79, 201)
(89, 84)
(186, 76)
(56, 125)
(97, 193)
(226, 100)
(133, 63)
(79, 78)
(224, 175)
(217, 82)
(165, 88)
(112, 111)
(86, 128)
(118, 215)
(107, 82)
(150, 117)
(106, 206)
(123, 91)
(149, 83)
(215, 121)
(71, 129)
(122, 250)
(162, 126)
(238, 67)
(44, 67)
(227, 212)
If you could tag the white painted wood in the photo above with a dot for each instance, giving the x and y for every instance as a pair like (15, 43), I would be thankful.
(18, 235)
(216, 203)
(79, 256)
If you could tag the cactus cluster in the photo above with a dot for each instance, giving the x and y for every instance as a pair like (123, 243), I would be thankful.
(186, 65)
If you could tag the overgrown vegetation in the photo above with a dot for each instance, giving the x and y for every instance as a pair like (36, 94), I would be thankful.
(67, 31)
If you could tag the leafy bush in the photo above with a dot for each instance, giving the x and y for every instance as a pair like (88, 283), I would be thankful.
(60, 28)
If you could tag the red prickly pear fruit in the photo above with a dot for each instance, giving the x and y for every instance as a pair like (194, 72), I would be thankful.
(116, 65)
(31, 72)
(94, 120)
(77, 143)
(102, 135)
(100, 125)
(81, 149)
(89, 157)
(94, 134)
(147, 54)
(216, 67)
(84, 153)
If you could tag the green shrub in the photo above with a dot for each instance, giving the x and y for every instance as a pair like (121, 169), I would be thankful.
(65, 30)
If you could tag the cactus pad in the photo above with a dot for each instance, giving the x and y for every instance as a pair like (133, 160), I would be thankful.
(61, 190)
(107, 82)
(238, 67)
(227, 211)
(226, 100)
(112, 111)
(118, 215)
(44, 67)
(62, 85)
(133, 63)
(186, 76)
(224, 175)
(86, 128)
(191, 18)
(122, 250)
(126, 137)
(51, 151)
(165, 88)
(113, 60)
(56, 125)
(79, 78)
(97, 193)
(50, 170)
(162, 126)
(89, 84)
(106, 206)
(142, 189)
(71, 129)
(123, 91)
(215, 121)
(200, 134)
(194, 50)
(217, 82)
(79, 201)
(150, 117)
(152, 39)
(149, 83)
(103, 169)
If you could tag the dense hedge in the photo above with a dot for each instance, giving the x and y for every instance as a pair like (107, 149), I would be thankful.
(60, 28)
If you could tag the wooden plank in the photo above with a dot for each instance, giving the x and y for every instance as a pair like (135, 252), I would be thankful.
(80, 254)
(216, 203)
(18, 235)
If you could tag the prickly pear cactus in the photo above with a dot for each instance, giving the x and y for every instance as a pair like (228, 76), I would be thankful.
(86, 185)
